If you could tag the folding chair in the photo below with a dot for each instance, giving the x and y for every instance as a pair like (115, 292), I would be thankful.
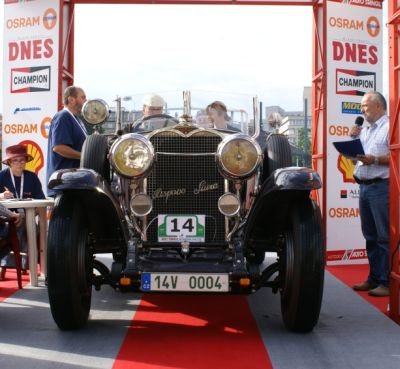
(11, 243)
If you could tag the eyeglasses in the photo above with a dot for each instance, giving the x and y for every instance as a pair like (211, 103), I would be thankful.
(20, 160)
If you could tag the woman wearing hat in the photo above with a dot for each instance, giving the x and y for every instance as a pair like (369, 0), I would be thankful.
(18, 183)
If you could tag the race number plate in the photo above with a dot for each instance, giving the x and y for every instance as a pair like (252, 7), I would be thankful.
(185, 282)
(178, 228)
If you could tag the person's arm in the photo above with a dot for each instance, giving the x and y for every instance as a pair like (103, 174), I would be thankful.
(67, 152)
(9, 214)
(371, 159)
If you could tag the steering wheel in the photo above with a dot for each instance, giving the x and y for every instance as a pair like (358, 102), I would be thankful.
(156, 116)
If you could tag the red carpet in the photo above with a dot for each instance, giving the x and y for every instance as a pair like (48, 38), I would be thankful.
(10, 285)
(351, 274)
(193, 332)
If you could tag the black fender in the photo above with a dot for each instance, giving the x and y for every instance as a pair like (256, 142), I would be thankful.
(106, 219)
(270, 212)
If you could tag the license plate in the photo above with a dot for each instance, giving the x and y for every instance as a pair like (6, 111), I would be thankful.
(178, 228)
(185, 282)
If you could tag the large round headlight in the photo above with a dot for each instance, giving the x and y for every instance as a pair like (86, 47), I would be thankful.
(95, 111)
(132, 155)
(238, 156)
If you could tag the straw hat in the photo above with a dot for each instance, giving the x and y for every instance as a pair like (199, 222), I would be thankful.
(16, 151)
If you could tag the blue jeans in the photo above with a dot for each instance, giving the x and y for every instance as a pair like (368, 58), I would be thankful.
(374, 213)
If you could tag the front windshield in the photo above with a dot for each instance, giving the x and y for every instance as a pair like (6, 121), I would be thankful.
(227, 112)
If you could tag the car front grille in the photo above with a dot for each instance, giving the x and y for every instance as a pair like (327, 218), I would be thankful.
(182, 184)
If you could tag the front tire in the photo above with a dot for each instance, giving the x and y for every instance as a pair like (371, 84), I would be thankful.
(69, 264)
(302, 267)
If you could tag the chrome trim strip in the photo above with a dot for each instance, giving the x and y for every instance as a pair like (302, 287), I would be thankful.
(185, 154)
(179, 133)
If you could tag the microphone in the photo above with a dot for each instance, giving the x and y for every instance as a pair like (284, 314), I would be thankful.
(358, 122)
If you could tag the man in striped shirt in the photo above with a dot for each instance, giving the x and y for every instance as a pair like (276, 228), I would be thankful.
(372, 174)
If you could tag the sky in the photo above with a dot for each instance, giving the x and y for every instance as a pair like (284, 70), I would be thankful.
(129, 50)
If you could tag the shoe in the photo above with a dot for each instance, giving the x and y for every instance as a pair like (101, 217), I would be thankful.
(379, 291)
(364, 286)
(2, 274)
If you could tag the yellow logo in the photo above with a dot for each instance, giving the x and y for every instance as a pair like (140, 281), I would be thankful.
(33, 149)
(346, 167)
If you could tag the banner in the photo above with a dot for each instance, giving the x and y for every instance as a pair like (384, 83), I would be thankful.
(30, 77)
(354, 66)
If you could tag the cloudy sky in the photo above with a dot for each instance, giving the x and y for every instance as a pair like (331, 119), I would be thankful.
(128, 50)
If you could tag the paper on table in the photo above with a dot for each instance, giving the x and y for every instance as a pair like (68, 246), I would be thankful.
(350, 148)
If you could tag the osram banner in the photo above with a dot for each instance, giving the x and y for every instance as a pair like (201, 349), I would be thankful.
(354, 66)
(30, 76)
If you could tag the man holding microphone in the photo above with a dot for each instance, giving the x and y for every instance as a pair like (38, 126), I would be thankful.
(372, 174)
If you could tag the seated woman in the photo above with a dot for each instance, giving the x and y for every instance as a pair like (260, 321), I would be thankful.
(18, 183)
(218, 116)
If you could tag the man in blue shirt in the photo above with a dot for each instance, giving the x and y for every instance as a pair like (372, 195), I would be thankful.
(67, 134)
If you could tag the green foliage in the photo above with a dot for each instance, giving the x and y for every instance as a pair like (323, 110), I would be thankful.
(300, 140)
(306, 157)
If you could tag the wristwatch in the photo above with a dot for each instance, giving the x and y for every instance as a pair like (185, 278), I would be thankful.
(376, 160)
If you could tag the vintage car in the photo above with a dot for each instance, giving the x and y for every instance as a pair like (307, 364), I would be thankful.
(185, 209)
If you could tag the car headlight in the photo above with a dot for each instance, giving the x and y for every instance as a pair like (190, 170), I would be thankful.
(238, 156)
(132, 155)
(95, 111)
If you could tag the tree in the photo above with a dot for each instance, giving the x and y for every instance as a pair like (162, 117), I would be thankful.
(300, 145)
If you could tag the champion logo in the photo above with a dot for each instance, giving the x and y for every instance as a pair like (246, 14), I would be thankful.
(354, 82)
(30, 79)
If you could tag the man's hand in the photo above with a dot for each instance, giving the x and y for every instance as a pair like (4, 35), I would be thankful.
(366, 159)
(355, 131)
(17, 217)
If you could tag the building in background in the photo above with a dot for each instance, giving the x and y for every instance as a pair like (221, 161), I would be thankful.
(293, 124)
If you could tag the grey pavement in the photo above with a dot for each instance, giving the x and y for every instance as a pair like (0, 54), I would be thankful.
(351, 333)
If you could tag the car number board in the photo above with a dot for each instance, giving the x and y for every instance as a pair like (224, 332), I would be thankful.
(186, 282)
(178, 228)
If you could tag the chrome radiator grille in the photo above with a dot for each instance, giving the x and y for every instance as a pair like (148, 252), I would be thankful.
(189, 175)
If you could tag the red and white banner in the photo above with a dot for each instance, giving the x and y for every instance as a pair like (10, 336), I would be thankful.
(354, 66)
(30, 76)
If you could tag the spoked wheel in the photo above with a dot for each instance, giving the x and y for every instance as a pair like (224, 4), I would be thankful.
(94, 155)
(277, 154)
(69, 265)
(302, 268)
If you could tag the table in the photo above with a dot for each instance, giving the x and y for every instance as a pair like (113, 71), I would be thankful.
(30, 206)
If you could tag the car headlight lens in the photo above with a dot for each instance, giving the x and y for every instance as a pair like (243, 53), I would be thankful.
(132, 155)
(95, 111)
(229, 204)
(238, 156)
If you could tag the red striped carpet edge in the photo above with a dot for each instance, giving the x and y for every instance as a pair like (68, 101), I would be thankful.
(193, 332)
(351, 274)
(10, 285)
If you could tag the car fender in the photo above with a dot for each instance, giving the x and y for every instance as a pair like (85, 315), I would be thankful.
(269, 213)
(102, 209)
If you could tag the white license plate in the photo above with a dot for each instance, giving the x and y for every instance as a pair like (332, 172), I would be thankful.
(178, 228)
(185, 282)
